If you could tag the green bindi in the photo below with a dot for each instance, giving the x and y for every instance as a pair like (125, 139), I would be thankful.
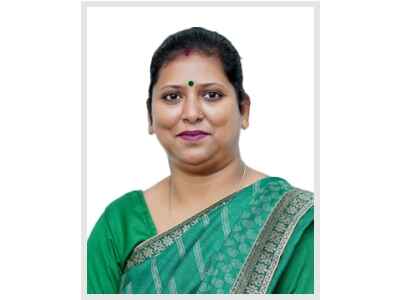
(190, 82)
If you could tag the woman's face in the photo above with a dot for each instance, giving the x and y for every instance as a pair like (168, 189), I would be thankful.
(196, 124)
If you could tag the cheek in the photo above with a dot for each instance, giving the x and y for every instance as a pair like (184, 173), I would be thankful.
(165, 118)
(225, 120)
(223, 115)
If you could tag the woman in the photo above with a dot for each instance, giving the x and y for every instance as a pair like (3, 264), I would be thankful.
(215, 225)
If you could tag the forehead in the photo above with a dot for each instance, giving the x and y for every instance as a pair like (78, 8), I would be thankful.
(196, 67)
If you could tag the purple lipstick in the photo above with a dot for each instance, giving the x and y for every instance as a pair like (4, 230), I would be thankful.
(194, 135)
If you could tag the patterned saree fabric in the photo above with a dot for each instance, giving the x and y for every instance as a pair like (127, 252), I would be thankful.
(241, 244)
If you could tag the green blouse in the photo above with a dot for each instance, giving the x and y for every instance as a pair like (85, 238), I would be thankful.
(127, 221)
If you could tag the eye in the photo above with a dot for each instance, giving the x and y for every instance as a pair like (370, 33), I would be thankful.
(171, 97)
(213, 95)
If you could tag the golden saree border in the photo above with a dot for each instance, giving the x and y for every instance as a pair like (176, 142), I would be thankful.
(258, 270)
(158, 243)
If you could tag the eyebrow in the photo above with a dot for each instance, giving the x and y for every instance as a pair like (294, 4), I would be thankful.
(177, 86)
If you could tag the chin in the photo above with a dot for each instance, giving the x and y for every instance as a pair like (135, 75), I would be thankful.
(195, 159)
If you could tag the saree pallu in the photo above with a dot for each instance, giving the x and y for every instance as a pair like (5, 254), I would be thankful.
(233, 246)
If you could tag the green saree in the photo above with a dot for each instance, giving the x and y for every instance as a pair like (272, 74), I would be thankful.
(257, 240)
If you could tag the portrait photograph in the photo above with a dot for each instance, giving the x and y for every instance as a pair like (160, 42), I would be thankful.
(186, 149)
(200, 148)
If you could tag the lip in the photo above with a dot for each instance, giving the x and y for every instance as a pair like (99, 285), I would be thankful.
(193, 135)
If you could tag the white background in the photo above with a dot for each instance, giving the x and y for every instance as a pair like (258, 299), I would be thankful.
(40, 149)
(277, 49)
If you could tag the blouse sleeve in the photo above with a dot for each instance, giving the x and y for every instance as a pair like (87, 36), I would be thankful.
(298, 276)
(103, 271)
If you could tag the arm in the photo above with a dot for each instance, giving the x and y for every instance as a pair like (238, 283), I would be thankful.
(298, 276)
(103, 272)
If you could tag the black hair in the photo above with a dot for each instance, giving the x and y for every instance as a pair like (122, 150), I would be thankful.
(205, 41)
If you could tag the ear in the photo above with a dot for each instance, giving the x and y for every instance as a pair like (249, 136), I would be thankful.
(245, 112)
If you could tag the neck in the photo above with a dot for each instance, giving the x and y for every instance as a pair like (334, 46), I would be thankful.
(191, 191)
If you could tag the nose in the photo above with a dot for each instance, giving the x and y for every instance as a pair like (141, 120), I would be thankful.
(192, 111)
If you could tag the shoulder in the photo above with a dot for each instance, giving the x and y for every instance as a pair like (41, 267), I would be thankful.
(290, 193)
(293, 207)
(128, 216)
(119, 228)
(128, 211)
(128, 221)
(127, 201)
(119, 209)
(273, 186)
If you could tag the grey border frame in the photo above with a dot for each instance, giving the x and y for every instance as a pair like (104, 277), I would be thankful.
(312, 4)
